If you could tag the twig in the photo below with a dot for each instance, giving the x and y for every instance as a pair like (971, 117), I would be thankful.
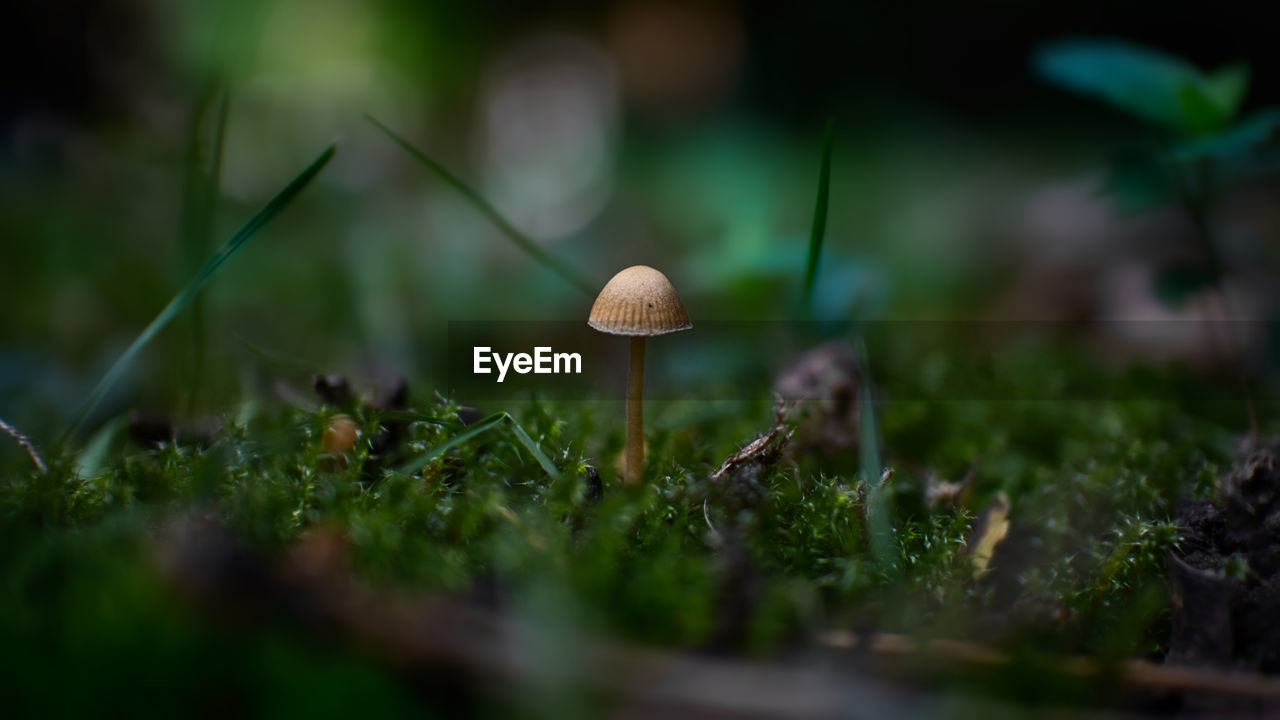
(765, 450)
(1136, 673)
(717, 538)
(27, 445)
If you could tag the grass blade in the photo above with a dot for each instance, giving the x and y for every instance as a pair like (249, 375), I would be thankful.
(199, 207)
(185, 296)
(879, 522)
(410, 416)
(533, 448)
(92, 458)
(482, 426)
(818, 231)
(556, 265)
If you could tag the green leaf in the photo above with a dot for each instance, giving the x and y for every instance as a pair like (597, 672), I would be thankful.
(1150, 84)
(479, 427)
(1133, 78)
(1227, 87)
(192, 288)
(818, 231)
(522, 241)
(1256, 129)
(1200, 114)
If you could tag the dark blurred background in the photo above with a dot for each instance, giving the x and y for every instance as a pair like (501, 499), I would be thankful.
(683, 135)
(789, 62)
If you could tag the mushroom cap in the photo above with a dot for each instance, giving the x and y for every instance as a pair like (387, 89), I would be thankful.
(639, 301)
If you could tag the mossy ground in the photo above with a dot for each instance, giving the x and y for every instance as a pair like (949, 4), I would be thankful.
(1092, 486)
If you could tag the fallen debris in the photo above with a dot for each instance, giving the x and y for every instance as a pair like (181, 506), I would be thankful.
(822, 384)
(25, 443)
(766, 450)
(1225, 576)
(988, 530)
(942, 493)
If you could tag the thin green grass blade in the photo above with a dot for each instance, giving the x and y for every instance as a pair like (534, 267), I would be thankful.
(93, 457)
(533, 448)
(185, 296)
(552, 263)
(199, 207)
(482, 426)
(818, 231)
(278, 358)
(409, 416)
(879, 522)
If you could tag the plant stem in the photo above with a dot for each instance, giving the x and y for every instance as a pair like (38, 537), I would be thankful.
(199, 206)
(635, 413)
(26, 444)
(1198, 200)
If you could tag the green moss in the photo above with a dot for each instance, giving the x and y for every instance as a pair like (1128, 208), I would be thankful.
(1092, 487)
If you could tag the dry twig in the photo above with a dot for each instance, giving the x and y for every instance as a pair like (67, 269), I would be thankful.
(26, 444)
(1139, 674)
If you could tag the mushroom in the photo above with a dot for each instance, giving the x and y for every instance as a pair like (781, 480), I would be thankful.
(638, 302)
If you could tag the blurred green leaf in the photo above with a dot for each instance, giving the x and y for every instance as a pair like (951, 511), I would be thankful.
(1153, 85)
(1136, 79)
(1226, 87)
(1200, 114)
(1244, 136)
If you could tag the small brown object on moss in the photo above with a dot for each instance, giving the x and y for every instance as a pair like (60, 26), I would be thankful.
(340, 435)
(638, 302)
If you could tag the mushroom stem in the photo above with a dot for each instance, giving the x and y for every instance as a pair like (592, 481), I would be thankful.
(635, 413)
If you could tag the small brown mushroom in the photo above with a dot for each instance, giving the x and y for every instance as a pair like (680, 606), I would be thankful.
(638, 302)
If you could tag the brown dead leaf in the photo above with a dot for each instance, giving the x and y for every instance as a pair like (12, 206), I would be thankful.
(991, 527)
